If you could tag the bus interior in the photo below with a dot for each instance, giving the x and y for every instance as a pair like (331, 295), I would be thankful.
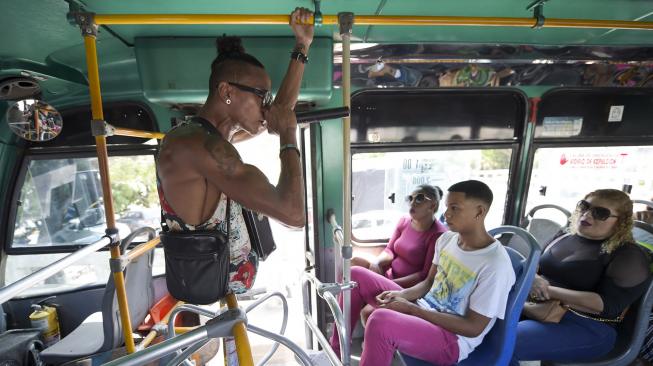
(544, 101)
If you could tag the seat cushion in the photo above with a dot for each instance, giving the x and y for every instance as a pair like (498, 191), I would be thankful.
(85, 340)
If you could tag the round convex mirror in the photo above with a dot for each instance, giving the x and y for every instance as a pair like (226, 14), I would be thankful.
(34, 120)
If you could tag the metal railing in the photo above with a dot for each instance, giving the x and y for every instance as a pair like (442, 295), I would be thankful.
(14, 289)
(329, 292)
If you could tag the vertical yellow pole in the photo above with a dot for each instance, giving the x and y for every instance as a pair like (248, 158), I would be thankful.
(243, 348)
(103, 162)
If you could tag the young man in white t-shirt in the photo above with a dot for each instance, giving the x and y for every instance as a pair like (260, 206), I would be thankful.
(443, 318)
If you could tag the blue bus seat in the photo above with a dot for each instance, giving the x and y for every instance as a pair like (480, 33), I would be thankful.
(630, 336)
(643, 234)
(498, 344)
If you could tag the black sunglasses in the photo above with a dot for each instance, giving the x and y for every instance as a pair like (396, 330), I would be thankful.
(598, 212)
(418, 198)
(265, 95)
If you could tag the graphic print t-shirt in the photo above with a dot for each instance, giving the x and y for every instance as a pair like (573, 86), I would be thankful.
(479, 280)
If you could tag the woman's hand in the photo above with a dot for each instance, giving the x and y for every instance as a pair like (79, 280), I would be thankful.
(279, 119)
(399, 304)
(387, 296)
(540, 289)
(299, 22)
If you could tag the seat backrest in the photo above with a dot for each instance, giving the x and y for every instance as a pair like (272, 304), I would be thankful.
(498, 344)
(140, 297)
(543, 230)
(643, 233)
(3, 320)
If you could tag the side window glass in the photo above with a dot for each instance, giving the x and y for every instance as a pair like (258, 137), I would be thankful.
(61, 201)
(382, 180)
(60, 204)
(564, 175)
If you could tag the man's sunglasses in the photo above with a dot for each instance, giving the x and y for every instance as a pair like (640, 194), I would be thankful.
(598, 212)
(265, 95)
(418, 198)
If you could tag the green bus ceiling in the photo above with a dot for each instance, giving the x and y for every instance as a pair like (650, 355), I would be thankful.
(39, 41)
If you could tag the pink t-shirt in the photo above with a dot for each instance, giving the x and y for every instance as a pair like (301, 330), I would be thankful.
(411, 250)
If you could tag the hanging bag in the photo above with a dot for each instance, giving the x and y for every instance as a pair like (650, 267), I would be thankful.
(549, 311)
(197, 264)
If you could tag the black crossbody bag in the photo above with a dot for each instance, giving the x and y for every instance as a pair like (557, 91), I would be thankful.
(197, 264)
(260, 235)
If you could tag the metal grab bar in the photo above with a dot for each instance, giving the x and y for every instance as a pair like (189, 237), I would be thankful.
(644, 202)
(327, 291)
(302, 118)
(8, 292)
(221, 325)
(407, 20)
(284, 324)
(278, 338)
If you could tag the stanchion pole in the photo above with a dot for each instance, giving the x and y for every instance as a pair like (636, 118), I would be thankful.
(89, 31)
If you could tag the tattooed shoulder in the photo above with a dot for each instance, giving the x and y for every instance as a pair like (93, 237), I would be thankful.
(225, 156)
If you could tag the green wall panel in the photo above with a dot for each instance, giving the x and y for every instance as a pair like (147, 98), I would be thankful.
(176, 70)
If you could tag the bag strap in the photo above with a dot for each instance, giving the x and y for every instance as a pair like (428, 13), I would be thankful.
(227, 217)
(208, 126)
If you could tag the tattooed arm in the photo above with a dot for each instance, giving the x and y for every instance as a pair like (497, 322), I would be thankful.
(218, 161)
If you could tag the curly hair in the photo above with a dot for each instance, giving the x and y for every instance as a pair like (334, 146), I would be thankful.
(624, 227)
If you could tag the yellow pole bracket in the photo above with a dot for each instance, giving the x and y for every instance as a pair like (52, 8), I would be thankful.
(243, 348)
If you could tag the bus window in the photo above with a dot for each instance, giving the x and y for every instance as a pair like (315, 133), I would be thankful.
(60, 207)
(563, 175)
(60, 202)
(382, 180)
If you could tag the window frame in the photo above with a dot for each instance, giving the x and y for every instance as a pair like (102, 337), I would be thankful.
(50, 154)
(573, 141)
(513, 180)
(557, 144)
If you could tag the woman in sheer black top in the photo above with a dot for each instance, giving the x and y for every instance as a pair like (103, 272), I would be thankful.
(596, 271)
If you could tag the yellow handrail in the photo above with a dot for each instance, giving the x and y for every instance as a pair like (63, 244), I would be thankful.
(408, 20)
(143, 248)
(137, 133)
(103, 164)
(153, 333)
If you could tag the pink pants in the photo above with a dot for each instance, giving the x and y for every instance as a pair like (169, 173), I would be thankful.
(388, 330)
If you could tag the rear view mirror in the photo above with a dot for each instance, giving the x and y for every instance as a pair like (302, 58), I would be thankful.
(34, 120)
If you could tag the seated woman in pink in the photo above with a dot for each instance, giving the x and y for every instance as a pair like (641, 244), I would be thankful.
(407, 258)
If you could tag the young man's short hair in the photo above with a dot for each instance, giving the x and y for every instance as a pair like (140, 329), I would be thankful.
(474, 189)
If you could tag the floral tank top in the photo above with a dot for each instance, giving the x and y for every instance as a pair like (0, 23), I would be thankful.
(243, 260)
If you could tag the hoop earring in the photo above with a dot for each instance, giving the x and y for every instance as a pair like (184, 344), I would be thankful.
(228, 101)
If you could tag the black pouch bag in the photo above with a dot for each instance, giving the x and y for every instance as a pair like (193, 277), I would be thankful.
(260, 234)
(197, 264)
